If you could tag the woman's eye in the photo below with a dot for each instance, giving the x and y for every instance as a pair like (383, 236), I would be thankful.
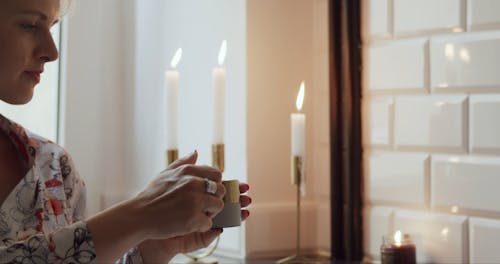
(29, 27)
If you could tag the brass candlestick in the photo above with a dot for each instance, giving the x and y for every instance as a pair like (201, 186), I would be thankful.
(171, 156)
(218, 156)
(297, 173)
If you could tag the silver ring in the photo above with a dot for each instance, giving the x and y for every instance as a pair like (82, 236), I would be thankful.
(210, 186)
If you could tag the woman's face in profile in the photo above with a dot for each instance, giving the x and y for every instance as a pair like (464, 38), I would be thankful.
(26, 45)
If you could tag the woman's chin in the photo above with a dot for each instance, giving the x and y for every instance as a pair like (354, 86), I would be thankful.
(18, 99)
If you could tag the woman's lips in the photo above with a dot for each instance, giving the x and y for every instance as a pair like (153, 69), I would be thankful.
(34, 75)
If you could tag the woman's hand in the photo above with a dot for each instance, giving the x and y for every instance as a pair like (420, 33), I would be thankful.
(161, 251)
(176, 202)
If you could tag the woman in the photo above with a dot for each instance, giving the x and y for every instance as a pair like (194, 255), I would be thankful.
(42, 196)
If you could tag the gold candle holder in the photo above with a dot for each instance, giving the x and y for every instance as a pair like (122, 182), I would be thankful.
(296, 179)
(218, 156)
(171, 156)
(296, 175)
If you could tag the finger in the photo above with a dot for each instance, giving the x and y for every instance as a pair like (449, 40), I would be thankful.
(209, 236)
(244, 187)
(244, 215)
(189, 159)
(201, 171)
(220, 190)
(245, 201)
(207, 224)
(213, 205)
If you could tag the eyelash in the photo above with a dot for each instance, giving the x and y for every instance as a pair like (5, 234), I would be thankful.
(29, 27)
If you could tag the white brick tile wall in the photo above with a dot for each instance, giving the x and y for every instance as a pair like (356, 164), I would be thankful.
(379, 21)
(470, 182)
(484, 125)
(439, 238)
(431, 122)
(380, 116)
(426, 16)
(431, 126)
(397, 65)
(483, 14)
(467, 62)
(484, 240)
(399, 178)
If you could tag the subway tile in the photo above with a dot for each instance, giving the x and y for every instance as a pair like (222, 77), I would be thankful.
(379, 223)
(483, 14)
(397, 65)
(398, 177)
(439, 238)
(425, 16)
(484, 125)
(468, 182)
(431, 122)
(379, 123)
(467, 62)
(378, 17)
(484, 238)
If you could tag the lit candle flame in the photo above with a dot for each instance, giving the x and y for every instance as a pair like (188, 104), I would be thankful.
(222, 52)
(177, 57)
(397, 238)
(300, 96)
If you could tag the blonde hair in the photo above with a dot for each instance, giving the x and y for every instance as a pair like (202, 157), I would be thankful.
(65, 6)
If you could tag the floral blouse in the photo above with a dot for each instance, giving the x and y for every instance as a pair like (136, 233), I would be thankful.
(42, 219)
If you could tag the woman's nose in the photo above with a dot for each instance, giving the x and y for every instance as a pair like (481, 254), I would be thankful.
(47, 49)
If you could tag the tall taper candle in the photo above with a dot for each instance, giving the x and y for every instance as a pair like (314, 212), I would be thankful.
(172, 87)
(219, 82)
(299, 126)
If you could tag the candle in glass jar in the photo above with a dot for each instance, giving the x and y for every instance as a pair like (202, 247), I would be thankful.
(219, 83)
(398, 249)
(172, 87)
(298, 120)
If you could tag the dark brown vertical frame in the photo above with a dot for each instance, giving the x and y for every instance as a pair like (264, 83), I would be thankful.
(345, 122)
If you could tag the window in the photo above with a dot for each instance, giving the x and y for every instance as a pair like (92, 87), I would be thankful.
(40, 116)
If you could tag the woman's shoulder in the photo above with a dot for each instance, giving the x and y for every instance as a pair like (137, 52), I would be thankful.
(57, 173)
(44, 149)
(27, 143)
(52, 160)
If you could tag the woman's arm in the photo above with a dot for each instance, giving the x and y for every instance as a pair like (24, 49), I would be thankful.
(116, 230)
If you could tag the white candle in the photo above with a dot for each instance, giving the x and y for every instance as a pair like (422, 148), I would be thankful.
(299, 126)
(172, 86)
(219, 83)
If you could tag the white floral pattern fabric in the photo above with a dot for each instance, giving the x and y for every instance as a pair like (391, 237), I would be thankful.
(42, 219)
